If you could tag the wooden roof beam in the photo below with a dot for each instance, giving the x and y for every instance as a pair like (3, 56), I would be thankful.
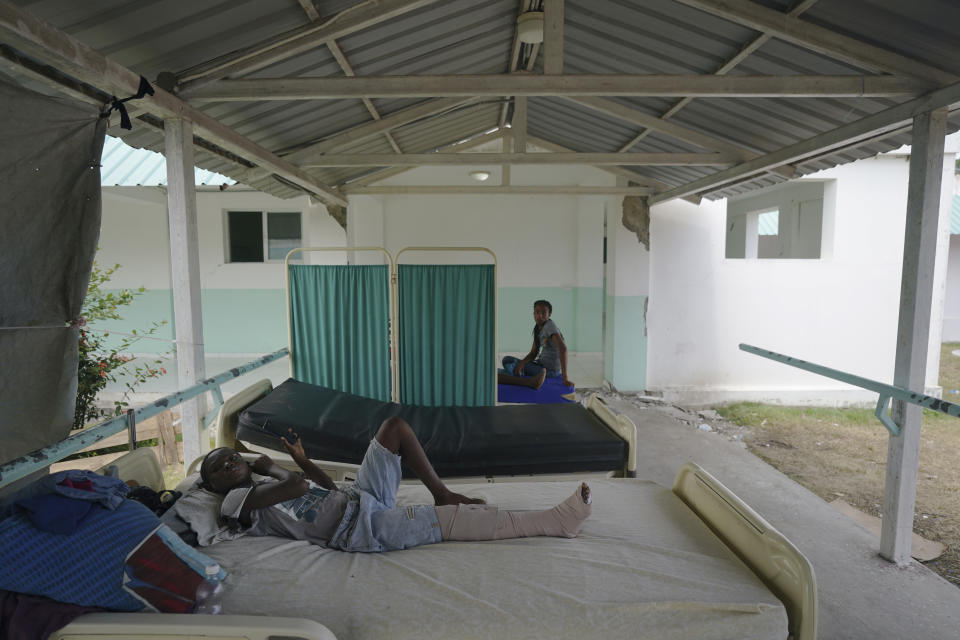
(796, 86)
(441, 159)
(364, 132)
(377, 176)
(543, 190)
(822, 40)
(310, 10)
(637, 178)
(341, 59)
(672, 129)
(298, 41)
(798, 8)
(553, 37)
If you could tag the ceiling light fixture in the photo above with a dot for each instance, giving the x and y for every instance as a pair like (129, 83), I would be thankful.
(530, 27)
(480, 176)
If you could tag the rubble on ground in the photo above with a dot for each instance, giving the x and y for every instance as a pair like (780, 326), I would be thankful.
(707, 421)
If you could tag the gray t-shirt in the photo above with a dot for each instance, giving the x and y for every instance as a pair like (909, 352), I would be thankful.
(313, 516)
(547, 354)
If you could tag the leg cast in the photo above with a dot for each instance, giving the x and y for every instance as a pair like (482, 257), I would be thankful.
(481, 522)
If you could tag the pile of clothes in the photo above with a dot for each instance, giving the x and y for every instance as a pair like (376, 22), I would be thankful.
(59, 504)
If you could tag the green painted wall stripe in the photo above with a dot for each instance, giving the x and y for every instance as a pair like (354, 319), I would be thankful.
(625, 352)
(577, 311)
(255, 321)
(234, 320)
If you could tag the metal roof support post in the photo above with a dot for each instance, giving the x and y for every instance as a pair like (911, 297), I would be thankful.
(185, 276)
(553, 37)
(913, 333)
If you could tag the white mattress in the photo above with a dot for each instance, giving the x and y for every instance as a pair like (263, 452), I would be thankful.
(644, 566)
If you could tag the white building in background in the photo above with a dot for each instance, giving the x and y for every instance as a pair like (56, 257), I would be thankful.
(810, 268)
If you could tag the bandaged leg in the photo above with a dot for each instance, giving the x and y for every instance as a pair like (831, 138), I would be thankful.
(468, 522)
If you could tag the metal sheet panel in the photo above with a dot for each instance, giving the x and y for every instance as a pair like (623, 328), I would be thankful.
(467, 37)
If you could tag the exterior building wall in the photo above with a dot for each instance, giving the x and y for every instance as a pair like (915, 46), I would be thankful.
(951, 311)
(840, 310)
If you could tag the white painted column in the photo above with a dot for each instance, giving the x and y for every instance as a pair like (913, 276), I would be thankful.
(628, 287)
(913, 333)
(185, 276)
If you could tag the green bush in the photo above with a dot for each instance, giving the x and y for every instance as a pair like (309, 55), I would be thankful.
(100, 365)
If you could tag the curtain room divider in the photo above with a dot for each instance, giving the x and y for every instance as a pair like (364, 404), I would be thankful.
(420, 334)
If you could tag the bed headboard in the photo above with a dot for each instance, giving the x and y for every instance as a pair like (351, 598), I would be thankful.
(140, 465)
(226, 424)
(781, 566)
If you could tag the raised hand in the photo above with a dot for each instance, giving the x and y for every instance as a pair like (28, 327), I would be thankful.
(291, 442)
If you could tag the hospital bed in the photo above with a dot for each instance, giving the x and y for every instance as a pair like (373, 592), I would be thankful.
(651, 562)
(461, 442)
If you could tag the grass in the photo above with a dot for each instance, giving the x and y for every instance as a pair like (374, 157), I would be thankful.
(842, 453)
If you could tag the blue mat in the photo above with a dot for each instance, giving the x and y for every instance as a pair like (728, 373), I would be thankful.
(551, 392)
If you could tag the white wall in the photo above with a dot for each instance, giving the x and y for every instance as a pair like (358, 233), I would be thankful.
(365, 228)
(539, 240)
(840, 311)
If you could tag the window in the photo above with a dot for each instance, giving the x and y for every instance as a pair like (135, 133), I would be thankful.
(258, 236)
(781, 223)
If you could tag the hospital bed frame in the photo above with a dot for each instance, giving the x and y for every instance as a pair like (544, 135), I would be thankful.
(226, 436)
(779, 564)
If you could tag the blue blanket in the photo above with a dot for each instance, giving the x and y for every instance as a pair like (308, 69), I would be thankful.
(551, 392)
(84, 568)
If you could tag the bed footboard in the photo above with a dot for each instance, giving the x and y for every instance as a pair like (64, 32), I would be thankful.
(781, 566)
(170, 626)
(622, 426)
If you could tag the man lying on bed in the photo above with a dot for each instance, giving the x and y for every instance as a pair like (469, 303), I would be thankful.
(363, 516)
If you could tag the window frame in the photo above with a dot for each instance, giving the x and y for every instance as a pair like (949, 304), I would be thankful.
(264, 235)
(790, 200)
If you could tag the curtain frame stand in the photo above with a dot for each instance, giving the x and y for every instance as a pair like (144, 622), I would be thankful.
(392, 329)
(496, 297)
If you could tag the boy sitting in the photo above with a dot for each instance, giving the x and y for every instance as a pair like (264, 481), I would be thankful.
(364, 516)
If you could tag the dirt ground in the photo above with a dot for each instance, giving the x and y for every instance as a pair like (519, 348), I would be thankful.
(841, 453)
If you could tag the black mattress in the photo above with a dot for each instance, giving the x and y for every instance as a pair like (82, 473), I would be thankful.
(460, 441)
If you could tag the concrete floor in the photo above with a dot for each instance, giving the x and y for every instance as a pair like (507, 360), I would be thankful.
(860, 595)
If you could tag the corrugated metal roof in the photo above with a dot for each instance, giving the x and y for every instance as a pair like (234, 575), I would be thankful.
(469, 37)
(123, 166)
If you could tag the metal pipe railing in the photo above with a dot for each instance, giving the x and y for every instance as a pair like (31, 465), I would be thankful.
(886, 391)
(21, 467)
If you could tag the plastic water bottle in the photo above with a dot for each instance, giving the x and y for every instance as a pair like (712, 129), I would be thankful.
(210, 592)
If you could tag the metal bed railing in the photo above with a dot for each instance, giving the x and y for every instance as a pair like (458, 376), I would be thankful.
(21, 467)
(886, 391)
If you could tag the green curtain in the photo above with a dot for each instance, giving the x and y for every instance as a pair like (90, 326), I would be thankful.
(447, 334)
(339, 333)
